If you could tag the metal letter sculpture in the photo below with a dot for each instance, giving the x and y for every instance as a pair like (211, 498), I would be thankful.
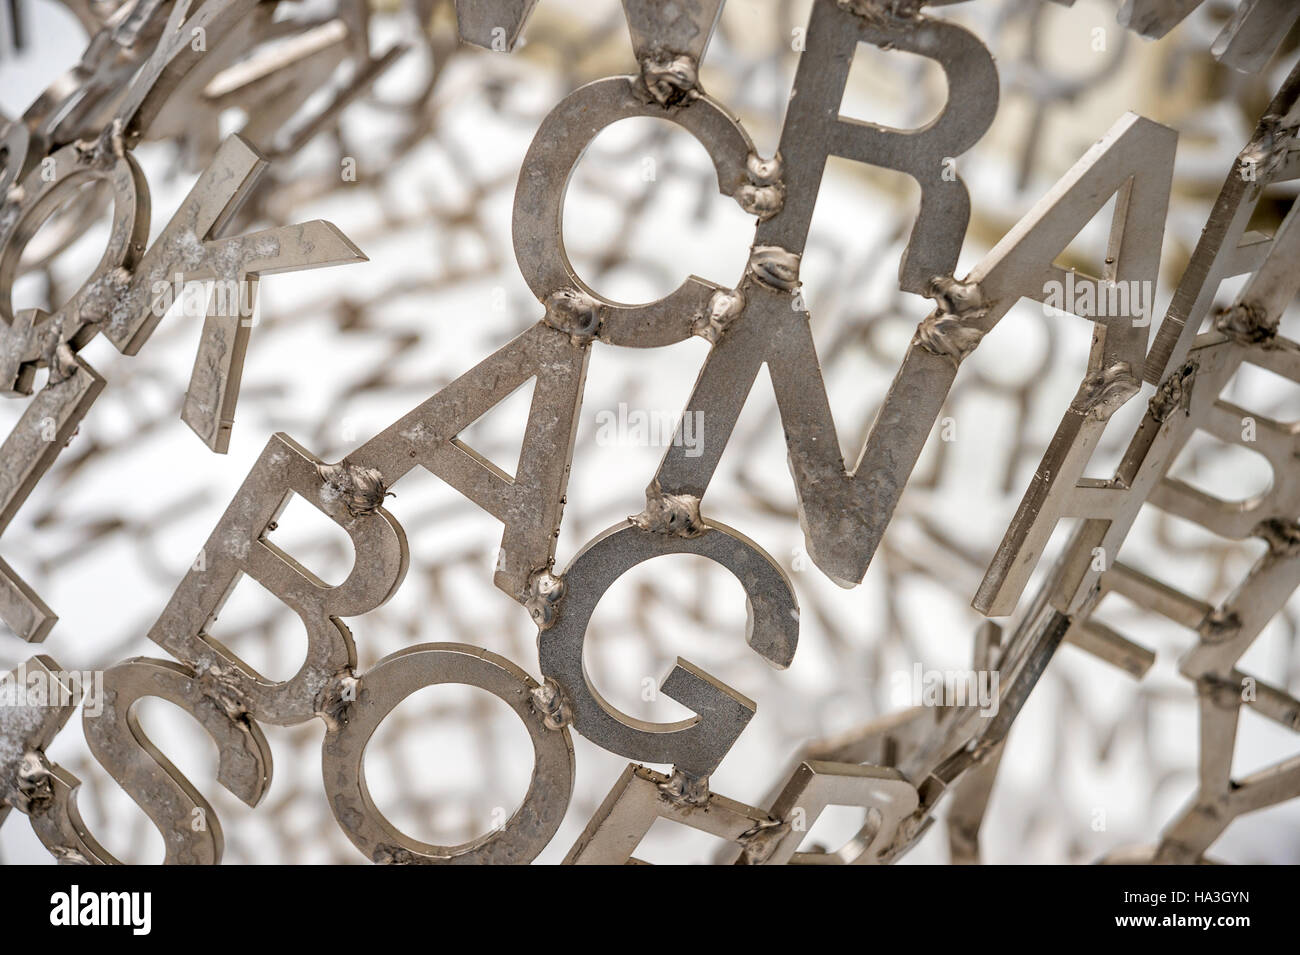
(145, 75)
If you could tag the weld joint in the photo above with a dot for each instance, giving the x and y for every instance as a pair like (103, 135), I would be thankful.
(1267, 149)
(575, 313)
(1173, 393)
(775, 267)
(62, 362)
(221, 685)
(671, 79)
(545, 592)
(361, 489)
(35, 791)
(684, 790)
(334, 704)
(1219, 626)
(725, 306)
(1281, 535)
(764, 194)
(1222, 693)
(551, 706)
(1102, 392)
(952, 331)
(758, 844)
(1246, 323)
(877, 12)
(674, 514)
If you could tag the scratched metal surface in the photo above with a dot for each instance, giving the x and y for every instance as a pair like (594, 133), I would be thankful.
(1098, 764)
